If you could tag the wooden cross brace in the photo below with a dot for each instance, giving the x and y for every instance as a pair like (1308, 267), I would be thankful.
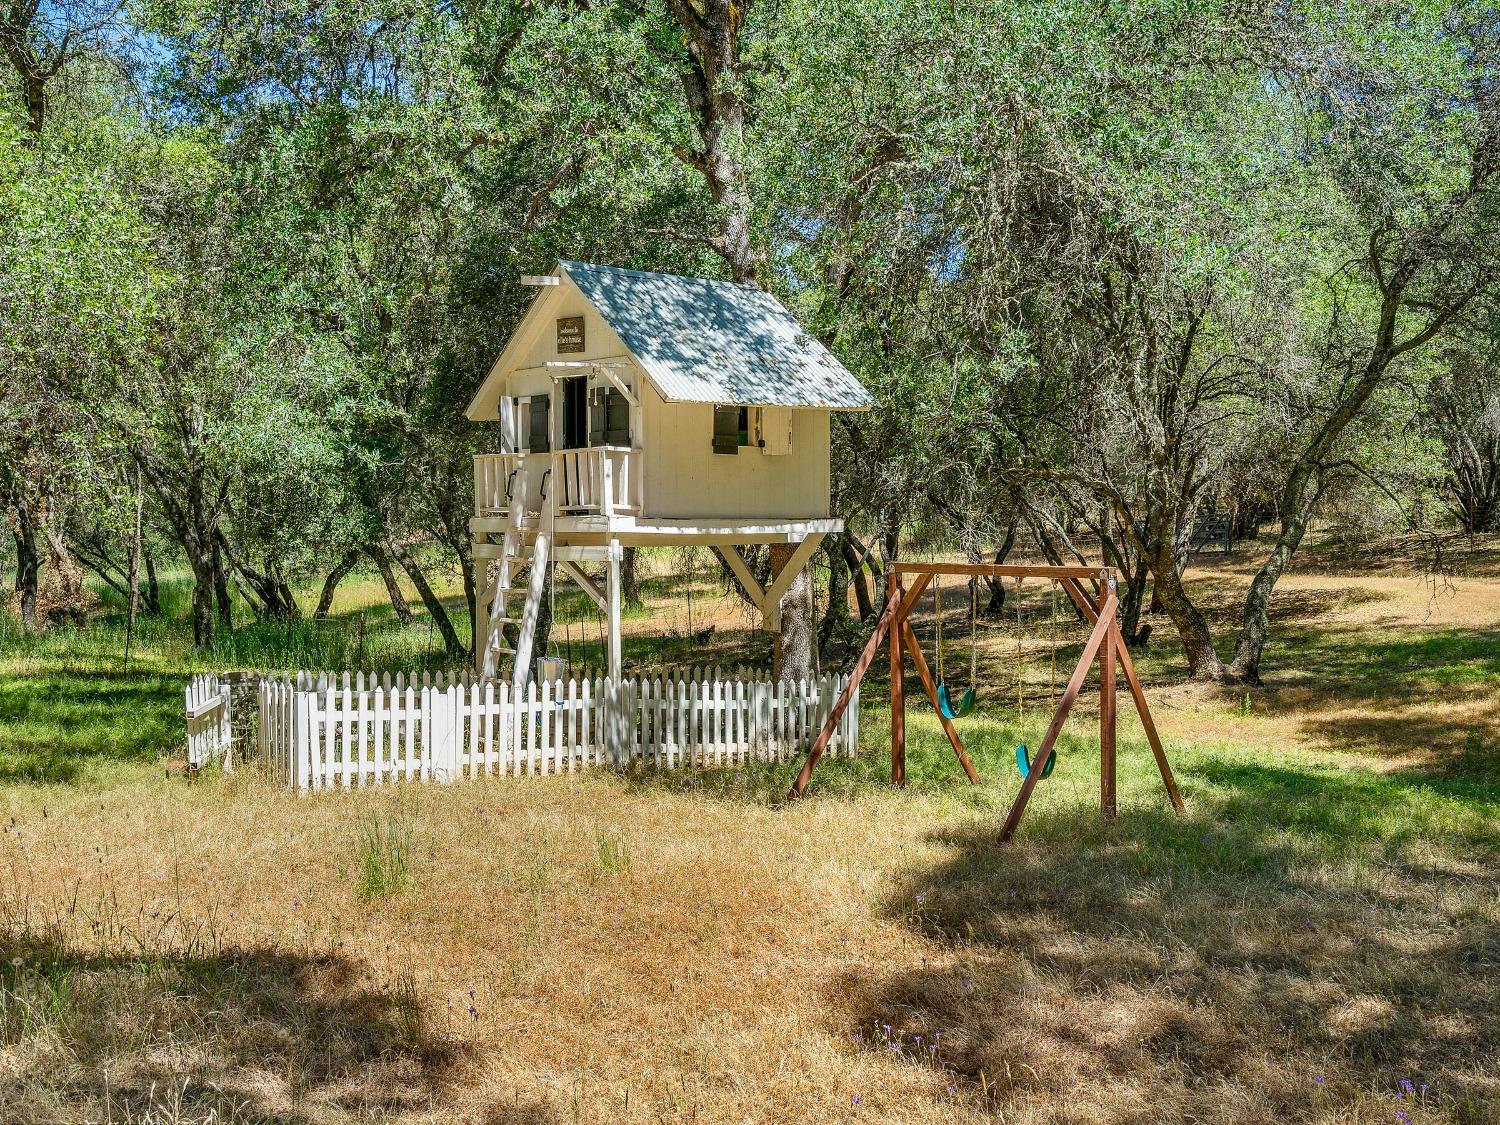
(768, 598)
(1105, 643)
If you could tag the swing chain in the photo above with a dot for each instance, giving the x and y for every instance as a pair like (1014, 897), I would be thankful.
(973, 630)
(937, 595)
(1020, 667)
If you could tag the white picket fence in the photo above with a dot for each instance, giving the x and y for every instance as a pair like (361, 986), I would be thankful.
(209, 731)
(323, 731)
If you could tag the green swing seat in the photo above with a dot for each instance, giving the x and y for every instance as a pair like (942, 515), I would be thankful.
(965, 705)
(1023, 762)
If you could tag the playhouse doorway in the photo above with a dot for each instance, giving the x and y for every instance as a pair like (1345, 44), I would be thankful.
(575, 412)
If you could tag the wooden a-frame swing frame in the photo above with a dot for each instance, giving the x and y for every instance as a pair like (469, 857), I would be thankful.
(1105, 644)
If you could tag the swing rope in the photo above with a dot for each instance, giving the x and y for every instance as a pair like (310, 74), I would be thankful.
(946, 706)
(1023, 752)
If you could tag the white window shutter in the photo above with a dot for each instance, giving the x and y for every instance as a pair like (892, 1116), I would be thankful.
(776, 430)
(510, 435)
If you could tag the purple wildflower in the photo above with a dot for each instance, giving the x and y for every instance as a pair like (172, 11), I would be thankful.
(855, 1100)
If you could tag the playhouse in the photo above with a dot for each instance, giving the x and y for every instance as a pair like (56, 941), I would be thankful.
(646, 409)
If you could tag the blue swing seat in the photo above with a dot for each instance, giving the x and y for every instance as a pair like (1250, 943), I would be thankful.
(965, 705)
(1023, 762)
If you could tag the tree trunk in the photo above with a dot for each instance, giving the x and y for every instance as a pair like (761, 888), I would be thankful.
(890, 551)
(837, 612)
(630, 585)
(71, 602)
(194, 523)
(221, 586)
(153, 587)
(435, 608)
(1303, 488)
(1197, 642)
(995, 606)
(854, 560)
(28, 558)
(331, 584)
(452, 531)
(795, 654)
(392, 588)
(204, 573)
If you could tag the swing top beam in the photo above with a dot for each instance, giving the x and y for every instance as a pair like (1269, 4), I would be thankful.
(997, 570)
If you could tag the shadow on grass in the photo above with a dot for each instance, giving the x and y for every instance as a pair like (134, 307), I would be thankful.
(932, 770)
(1303, 940)
(1430, 696)
(52, 723)
(243, 1035)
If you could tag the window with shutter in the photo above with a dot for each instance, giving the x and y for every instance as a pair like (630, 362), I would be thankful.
(731, 428)
(617, 418)
(539, 433)
(775, 426)
(609, 417)
(598, 415)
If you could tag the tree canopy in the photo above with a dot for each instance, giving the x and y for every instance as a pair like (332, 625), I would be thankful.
(1107, 268)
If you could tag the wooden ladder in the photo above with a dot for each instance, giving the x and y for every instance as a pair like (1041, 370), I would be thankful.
(541, 548)
(512, 544)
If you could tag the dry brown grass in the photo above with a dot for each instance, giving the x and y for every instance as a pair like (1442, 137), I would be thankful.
(603, 949)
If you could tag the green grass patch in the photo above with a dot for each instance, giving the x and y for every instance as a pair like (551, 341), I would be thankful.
(383, 853)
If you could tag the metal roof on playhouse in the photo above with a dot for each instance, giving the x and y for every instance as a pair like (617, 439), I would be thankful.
(706, 341)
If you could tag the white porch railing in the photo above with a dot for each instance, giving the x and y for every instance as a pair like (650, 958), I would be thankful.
(602, 479)
(319, 732)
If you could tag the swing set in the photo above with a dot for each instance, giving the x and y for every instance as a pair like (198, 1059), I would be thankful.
(1105, 644)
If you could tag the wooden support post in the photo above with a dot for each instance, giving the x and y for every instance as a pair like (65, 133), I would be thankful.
(898, 700)
(1137, 695)
(919, 661)
(1070, 696)
(1107, 657)
(612, 594)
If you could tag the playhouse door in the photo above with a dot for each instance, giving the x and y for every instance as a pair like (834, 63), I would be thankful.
(575, 406)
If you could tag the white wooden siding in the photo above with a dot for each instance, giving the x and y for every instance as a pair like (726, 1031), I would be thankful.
(686, 479)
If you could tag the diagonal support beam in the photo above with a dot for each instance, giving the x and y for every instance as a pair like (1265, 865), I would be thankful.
(741, 570)
(585, 583)
(930, 687)
(619, 385)
(771, 605)
(1104, 623)
(897, 607)
(1090, 610)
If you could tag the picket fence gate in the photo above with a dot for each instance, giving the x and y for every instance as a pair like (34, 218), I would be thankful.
(329, 730)
(209, 730)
